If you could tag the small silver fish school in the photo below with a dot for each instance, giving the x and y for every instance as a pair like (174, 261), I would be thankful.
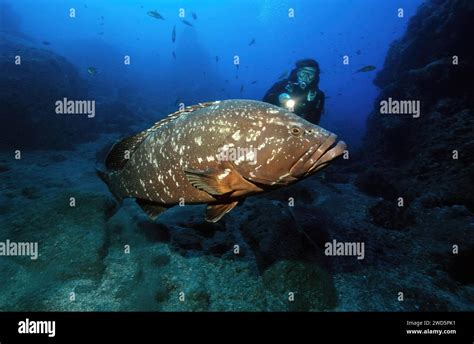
(181, 157)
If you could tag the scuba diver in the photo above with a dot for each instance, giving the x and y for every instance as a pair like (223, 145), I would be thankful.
(299, 93)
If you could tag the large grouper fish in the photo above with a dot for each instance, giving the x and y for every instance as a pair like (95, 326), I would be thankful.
(217, 153)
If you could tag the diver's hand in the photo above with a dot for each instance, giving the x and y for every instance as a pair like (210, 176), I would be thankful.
(283, 98)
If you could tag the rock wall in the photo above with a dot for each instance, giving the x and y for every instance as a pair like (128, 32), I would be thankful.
(28, 93)
(413, 157)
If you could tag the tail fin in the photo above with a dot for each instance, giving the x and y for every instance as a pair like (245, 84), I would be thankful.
(107, 179)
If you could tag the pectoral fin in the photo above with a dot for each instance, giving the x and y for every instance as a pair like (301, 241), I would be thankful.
(215, 212)
(150, 208)
(224, 180)
(207, 180)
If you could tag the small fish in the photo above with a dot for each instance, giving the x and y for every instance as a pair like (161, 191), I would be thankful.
(155, 14)
(100, 33)
(195, 17)
(92, 70)
(237, 65)
(339, 94)
(366, 69)
(226, 80)
(252, 42)
(173, 34)
(217, 58)
(176, 102)
(283, 75)
(186, 22)
(358, 52)
(190, 156)
(174, 55)
(241, 88)
(46, 43)
(254, 82)
(236, 77)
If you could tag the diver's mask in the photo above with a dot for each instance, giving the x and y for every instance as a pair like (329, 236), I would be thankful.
(305, 76)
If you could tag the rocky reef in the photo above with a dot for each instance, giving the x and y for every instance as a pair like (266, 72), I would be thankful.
(429, 157)
(29, 91)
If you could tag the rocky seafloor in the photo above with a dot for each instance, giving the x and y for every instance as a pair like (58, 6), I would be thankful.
(83, 249)
(115, 258)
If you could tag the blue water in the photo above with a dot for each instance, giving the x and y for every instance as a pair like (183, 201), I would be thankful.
(325, 30)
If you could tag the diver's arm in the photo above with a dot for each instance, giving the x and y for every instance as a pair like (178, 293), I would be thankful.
(314, 114)
(321, 104)
(273, 93)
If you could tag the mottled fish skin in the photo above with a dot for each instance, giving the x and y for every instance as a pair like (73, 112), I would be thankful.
(286, 151)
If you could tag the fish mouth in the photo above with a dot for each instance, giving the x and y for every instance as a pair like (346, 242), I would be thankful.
(317, 157)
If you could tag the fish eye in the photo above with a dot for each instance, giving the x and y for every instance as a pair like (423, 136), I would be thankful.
(309, 131)
(296, 131)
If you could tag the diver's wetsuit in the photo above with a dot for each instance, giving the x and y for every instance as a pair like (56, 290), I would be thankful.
(309, 106)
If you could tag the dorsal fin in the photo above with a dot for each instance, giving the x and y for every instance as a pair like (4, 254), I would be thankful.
(123, 150)
(174, 115)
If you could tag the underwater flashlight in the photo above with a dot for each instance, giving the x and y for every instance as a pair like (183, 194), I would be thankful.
(290, 104)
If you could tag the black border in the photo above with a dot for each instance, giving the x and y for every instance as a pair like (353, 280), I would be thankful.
(243, 327)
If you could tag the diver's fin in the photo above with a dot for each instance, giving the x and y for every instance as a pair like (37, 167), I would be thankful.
(223, 180)
(107, 179)
(121, 152)
(150, 208)
(215, 212)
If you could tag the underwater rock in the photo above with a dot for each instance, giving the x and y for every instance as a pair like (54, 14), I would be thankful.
(221, 244)
(185, 239)
(4, 168)
(335, 177)
(301, 192)
(44, 77)
(110, 208)
(161, 260)
(389, 215)
(376, 185)
(459, 211)
(154, 231)
(30, 192)
(273, 234)
(311, 286)
(431, 153)
(431, 200)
